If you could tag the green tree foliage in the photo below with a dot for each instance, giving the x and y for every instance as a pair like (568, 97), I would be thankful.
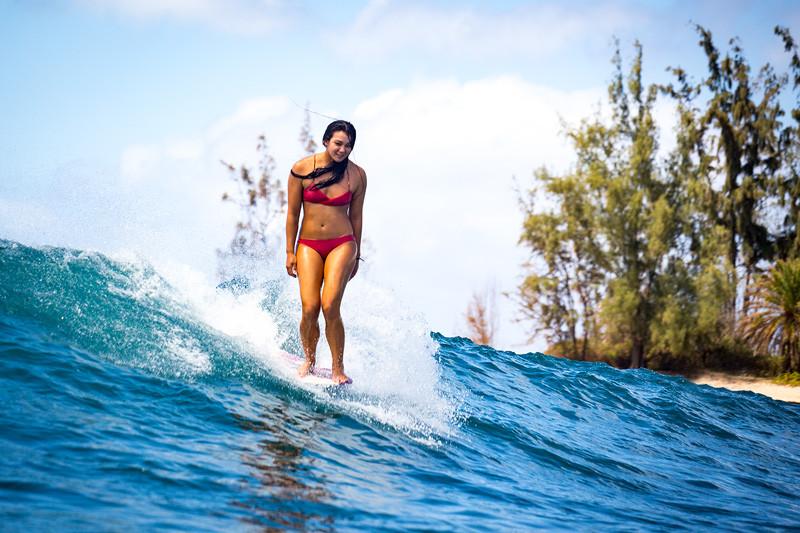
(788, 180)
(639, 259)
(636, 217)
(739, 124)
(561, 300)
(604, 245)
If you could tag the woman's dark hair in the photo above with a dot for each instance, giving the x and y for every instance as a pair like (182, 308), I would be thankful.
(340, 125)
(337, 169)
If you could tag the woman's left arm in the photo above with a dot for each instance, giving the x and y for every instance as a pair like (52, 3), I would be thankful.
(357, 211)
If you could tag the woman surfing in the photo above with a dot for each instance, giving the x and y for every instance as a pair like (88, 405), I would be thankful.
(329, 189)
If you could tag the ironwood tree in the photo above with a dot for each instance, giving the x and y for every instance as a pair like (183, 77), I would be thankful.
(641, 259)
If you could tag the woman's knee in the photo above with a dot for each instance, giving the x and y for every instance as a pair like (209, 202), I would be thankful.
(330, 309)
(311, 311)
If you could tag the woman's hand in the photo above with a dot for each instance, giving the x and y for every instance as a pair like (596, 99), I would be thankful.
(291, 264)
(355, 268)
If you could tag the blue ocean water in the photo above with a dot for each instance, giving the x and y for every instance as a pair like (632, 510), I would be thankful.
(133, 403)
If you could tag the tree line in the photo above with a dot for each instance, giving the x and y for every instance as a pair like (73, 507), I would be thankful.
(679, 261)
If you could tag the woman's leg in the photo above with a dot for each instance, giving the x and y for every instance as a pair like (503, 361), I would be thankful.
(309, 273)
(338, 267)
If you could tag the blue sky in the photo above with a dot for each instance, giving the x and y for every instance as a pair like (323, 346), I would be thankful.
(100, 77)
(112, 109)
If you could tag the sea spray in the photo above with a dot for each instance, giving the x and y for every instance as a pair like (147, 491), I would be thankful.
(389, 353)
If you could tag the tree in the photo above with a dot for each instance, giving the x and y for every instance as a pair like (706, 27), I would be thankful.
(636, 217)
(695, 299)
(643, 259)
(260, 198)
(605, 272)
(741, 124)
(788, 179)
(481, 317)
(562, 294)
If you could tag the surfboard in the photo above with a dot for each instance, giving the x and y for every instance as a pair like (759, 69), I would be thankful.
(318, 376)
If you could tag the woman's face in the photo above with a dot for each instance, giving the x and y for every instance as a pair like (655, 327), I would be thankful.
(338, 146)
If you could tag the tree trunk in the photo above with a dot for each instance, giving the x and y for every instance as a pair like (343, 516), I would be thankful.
(637, 354)
(733, 168)
(746, 298)
(585, 345)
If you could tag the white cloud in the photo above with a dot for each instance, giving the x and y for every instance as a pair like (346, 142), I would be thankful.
(236, 16)
(441, 206)
(249, 117)
(185, 149)
(385, 27)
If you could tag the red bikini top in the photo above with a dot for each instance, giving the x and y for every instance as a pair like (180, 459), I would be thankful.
(310, 194)
(316, 196)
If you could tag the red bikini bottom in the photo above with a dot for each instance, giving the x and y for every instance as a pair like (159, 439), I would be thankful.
(326, 246)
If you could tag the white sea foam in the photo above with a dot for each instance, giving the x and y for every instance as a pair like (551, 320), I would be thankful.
(389, 352)
(239, 316)
(188, 352)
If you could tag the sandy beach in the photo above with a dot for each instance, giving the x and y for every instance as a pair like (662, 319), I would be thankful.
(735, 382)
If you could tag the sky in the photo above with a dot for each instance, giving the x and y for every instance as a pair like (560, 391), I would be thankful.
(116, 113)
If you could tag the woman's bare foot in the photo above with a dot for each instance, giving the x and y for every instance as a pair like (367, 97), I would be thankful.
(340, 378)
(306, 368)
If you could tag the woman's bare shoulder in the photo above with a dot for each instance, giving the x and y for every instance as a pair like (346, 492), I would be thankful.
(359, 170)
(304, 166)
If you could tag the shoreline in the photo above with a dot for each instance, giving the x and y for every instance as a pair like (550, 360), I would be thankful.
(738, 382)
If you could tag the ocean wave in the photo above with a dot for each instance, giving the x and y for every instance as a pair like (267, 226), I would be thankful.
(152, 398)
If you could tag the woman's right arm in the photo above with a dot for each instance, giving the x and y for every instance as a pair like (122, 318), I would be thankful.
(294, 204)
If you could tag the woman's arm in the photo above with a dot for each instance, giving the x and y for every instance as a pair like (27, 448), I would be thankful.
(357, 212)
(294, 199)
